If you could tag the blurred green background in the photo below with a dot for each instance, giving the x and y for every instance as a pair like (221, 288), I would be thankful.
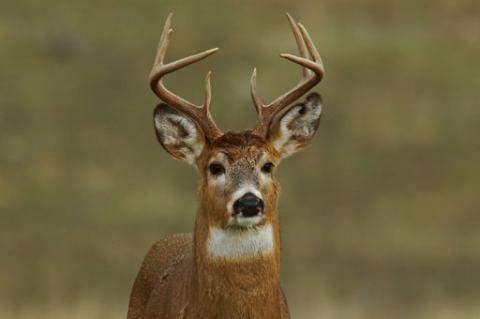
(380, 215)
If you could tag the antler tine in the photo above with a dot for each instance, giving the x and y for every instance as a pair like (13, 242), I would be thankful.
(253, 92)
(302, 48)
(164, 40)
(313, 72)
(311, 47)
(200, 113)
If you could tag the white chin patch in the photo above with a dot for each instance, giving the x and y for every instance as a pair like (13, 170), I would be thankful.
(238, 243)
(245, 222)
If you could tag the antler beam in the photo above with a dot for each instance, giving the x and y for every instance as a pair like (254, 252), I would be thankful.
(200, 113)
(312, 73)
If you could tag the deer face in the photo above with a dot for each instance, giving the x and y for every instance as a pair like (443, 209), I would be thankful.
(238, 176)
(237, 170)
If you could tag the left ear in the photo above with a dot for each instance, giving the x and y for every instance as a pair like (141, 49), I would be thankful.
(296, 127)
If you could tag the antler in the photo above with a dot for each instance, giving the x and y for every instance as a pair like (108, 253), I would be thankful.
(200, 113)
(312, 72)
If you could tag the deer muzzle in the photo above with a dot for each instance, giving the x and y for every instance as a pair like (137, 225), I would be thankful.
(248, 205)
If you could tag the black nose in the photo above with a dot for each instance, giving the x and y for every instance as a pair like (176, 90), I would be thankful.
(248, 205)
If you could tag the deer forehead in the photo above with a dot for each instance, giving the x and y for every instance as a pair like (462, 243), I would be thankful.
(241, 167)
(243, 147)
(239, 157)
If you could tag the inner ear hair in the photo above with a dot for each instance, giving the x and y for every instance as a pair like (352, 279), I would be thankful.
(294, 129)
(311, 99)
(179, 134)
(315, 98)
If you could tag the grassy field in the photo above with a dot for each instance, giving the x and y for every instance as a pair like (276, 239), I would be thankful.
(380, 215)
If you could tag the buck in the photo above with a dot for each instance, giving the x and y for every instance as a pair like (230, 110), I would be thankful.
(230, 267)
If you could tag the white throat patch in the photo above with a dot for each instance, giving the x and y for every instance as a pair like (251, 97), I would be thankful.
(233, 244)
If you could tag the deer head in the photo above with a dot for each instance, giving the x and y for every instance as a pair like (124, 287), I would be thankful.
(238, 188)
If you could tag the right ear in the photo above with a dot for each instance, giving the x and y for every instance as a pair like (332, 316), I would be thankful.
(179, 134)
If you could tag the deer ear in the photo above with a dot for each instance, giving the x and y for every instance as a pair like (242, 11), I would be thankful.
(178, 133)
(296, 127)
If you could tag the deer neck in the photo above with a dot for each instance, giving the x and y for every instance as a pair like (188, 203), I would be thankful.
(236, 274)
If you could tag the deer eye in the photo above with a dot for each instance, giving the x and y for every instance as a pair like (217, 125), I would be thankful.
(267, 168)
(216, 169)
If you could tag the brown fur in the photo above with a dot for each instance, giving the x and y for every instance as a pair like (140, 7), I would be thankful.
(179, 280)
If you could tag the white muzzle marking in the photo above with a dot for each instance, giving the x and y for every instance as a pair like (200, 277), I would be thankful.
(239, 220)
(242, 190)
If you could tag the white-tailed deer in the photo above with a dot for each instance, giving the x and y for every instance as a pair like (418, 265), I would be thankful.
(230, 267)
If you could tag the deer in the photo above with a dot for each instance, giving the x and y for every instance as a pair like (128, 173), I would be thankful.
(230, 266)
